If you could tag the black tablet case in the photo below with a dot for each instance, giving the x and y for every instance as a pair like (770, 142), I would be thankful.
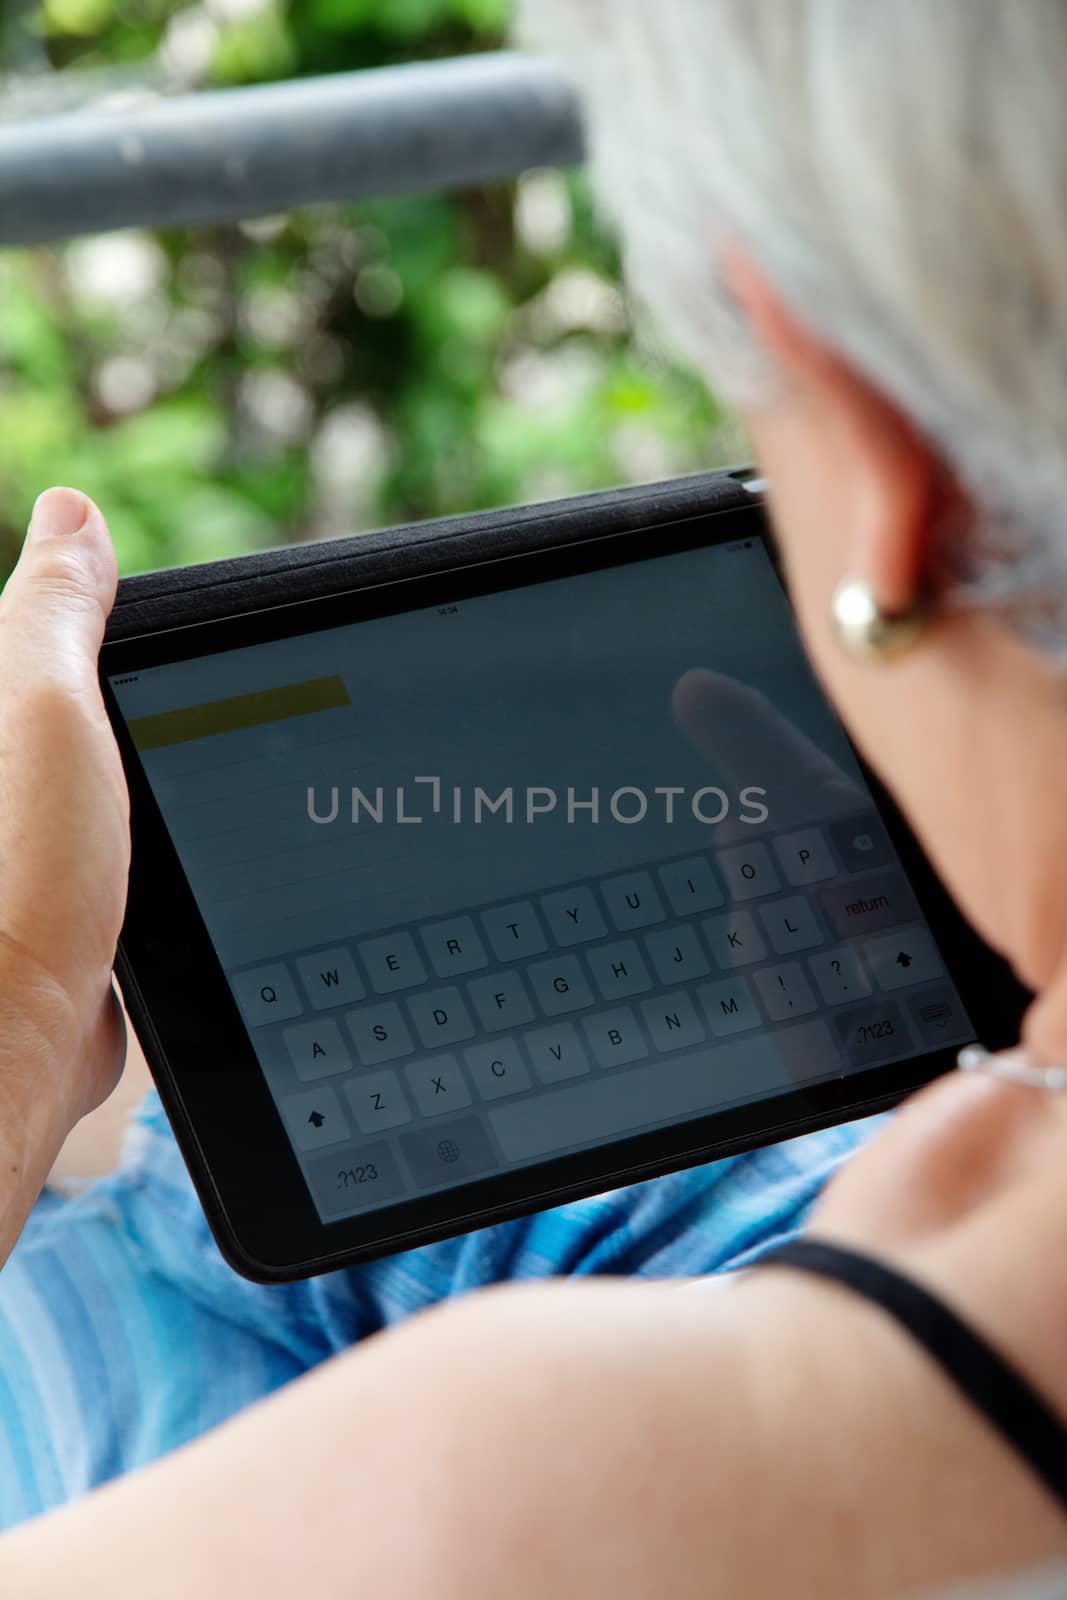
(152, 601)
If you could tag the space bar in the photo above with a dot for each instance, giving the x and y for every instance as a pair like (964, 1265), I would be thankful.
(672, 1087)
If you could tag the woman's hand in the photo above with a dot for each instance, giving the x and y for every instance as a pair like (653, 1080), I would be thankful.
(64, 847)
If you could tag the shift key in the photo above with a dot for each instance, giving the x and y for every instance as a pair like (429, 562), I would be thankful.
(448, 1154)
(868, 904)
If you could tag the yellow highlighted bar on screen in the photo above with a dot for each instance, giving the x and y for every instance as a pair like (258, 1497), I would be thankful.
(241, 711)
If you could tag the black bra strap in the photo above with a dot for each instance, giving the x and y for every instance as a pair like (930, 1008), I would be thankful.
(1009, 1402)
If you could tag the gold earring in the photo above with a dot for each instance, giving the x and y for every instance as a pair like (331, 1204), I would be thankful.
(865, 630)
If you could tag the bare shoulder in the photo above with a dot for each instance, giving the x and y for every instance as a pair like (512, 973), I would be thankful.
(638, 1440)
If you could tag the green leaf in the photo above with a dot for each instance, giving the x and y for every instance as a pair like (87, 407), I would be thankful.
(84, 17)
(255, 50)
(486, 16)
(471, 304)
(185, 431)
(342, 15)
(407, 19)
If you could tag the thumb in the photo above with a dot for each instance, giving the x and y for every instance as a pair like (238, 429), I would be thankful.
(55, 606)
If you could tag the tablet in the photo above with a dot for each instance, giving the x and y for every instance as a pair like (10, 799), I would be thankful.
(507, 862)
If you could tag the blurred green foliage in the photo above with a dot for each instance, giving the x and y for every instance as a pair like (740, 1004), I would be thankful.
(223, 388)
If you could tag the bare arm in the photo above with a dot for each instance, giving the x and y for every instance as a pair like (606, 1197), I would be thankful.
(63, 848)
(575, 1440)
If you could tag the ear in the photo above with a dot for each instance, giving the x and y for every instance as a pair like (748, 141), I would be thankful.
(889, 484)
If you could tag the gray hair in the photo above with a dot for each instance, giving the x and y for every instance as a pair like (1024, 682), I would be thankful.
(899, 171)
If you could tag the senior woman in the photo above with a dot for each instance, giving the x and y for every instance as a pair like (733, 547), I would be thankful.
(855, 217)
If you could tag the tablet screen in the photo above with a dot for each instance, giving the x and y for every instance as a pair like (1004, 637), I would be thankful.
(501, 879)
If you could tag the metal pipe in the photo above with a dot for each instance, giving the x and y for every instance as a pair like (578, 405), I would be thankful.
(227, 154)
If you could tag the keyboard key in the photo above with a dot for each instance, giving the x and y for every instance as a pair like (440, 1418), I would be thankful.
(615, 1037)
(670, 1088)
(691, 885)
(380, 1032)
(862, 842)
(897, 960)
(632, 901)
(619, 970)
(785, 991)
(734, 940)
(805, 856)
(514, 931)
(559, 985)
(867, 905)
(330, 979)
(438, 1086)
(672, 1021)
(450, 1154)
(392, 962)
(315, 1118)
(875, 1032)
(266, 994)
(498, 1069)
(354, 1179)
(939, 1017)
(441, 1017)
(677, 954)
(454, 947)
(556, 1053)
(748, 871)
(729, 1006)
(573, 916)
(791, 925)
(501, 1001)
(316, 1049)
(378, 1101)
(840, 975)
